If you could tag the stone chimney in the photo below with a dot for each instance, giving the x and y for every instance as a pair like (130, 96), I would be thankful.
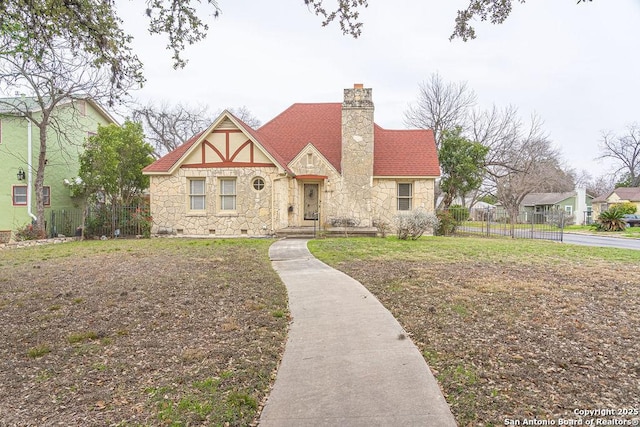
(357, 152)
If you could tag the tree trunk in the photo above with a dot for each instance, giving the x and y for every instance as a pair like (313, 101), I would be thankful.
(39, 184)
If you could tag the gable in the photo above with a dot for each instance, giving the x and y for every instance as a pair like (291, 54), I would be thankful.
(226, 147)
(228, 143)
(310, 161)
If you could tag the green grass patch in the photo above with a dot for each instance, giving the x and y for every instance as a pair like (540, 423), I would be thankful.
(279, 313)
(468, 249)
(78, 337)
(38, 351)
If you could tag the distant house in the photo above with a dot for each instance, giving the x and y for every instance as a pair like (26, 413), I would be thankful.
(576, 204)
(18, 137)
(618, 195)
(312, 165)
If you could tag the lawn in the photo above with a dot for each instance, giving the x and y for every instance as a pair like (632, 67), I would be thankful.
(512, 329)
(189, 332)
(139, 332)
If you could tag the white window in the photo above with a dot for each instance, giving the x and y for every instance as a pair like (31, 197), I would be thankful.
(405, 195)
(197, 194)
(568, 209)
(228, 194)
(20, 195)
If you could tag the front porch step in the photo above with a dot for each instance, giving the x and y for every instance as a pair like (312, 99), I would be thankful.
(308, 232)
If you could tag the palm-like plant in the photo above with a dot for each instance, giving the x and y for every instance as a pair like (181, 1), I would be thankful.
(611, 220)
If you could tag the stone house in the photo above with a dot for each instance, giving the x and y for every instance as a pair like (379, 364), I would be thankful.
(313, 165)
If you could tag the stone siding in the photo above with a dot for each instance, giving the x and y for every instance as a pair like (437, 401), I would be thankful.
(385, 197)
(352, 194)
(255, 214)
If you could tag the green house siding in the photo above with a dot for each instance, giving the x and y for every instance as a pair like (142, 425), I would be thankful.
(62, 159)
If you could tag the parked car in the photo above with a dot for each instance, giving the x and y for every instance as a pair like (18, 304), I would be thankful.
(631, 219)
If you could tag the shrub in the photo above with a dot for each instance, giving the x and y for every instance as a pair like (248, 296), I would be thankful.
(447, 223)
(382, 227)
(626, 207)
(27, 232)
(413, 224)
(459, 212)
(559, 218)
(611, 220)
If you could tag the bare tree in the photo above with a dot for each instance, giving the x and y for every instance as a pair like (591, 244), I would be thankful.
(597, 186)
(530, 164)
(624, 150)
(61, 75)
(244, 114)
(167, 127)
(440, 105)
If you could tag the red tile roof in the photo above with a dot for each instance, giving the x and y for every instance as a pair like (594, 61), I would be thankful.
(396, 152)
(166, 162)
(405, 153)
(319, 124)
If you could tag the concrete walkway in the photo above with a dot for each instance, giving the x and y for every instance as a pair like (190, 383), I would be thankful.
(347, 361)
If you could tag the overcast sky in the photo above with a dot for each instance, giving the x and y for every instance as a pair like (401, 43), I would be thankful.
(575, 65)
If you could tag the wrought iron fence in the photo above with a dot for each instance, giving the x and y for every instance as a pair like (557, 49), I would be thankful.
(527, 224)
(101, 220)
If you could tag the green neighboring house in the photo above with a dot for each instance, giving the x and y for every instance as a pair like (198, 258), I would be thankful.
(576, 204)
(77, 119)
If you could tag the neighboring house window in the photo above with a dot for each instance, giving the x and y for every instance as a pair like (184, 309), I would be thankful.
(228, 194)
(258, 184)
(196, 194)
(405, 194)
(568, 209)
(19, 195)
(46, 195)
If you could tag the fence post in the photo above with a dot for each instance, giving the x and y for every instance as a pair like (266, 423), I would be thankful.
(488, 217)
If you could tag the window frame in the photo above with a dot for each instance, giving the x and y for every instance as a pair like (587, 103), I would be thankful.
(13, 195)
(192, 196)
(46, 195)
(258, 183)
(400, 197)
(223, 196)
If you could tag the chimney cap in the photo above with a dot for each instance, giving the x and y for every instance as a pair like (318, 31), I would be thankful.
(358, 85)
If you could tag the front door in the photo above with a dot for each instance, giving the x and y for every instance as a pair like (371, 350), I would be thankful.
(311, 202)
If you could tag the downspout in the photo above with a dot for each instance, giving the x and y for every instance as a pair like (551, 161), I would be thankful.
(29, 171)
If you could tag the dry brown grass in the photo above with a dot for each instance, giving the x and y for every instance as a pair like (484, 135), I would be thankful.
(512, 330)
(170, 332)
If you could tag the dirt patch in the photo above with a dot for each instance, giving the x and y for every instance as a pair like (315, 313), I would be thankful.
(513, 341)
(139, 332)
